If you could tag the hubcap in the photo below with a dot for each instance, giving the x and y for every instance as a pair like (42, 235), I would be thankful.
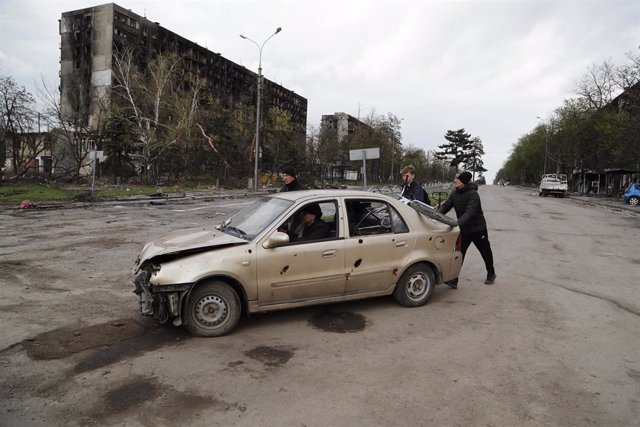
(634, 201)
(417, 286)
(211, 310)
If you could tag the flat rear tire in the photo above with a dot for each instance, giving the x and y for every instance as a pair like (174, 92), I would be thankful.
(415, 286)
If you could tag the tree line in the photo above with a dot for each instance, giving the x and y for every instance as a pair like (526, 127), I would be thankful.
(597, 129)
(160, 123)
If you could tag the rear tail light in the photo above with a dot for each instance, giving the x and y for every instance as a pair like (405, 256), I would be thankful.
(459, 243)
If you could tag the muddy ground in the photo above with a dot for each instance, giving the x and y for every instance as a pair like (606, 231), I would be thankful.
(556, 341)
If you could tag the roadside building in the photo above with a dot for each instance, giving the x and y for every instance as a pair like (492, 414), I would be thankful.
(27, 153)
(339, 126)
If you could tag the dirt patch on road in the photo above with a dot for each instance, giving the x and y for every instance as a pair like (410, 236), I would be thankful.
(340, 322)
(150, 340)
(270, 356)
(153, 403)
(64, 342)
(113, 341)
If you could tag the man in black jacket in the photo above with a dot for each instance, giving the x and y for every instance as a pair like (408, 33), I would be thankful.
(465, 200)
(412, 189)
(314, 227)
(291, 183)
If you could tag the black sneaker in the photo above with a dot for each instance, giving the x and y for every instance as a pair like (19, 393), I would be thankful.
(490, 279)
(453, 284)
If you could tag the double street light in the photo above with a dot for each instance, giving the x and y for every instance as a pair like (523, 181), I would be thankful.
(257, 147)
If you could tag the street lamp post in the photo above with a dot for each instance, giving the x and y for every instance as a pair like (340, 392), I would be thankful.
(546, 141)
(257, 145)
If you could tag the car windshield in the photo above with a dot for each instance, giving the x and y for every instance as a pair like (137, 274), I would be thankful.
(252, 220)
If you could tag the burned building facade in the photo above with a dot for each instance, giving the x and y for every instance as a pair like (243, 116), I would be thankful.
(90, 37)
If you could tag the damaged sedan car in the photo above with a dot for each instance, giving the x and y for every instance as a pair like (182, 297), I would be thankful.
(296, 249)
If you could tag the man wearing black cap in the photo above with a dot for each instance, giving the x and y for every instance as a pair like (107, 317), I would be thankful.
(314, 227)
(290, 181)
(465, 200)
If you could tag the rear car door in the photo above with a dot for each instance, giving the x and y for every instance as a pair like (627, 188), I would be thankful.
(377, 247)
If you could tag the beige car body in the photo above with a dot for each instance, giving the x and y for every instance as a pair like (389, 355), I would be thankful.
(269, 273)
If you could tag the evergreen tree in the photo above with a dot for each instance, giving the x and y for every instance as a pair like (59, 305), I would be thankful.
(474, 163)
(457, 150)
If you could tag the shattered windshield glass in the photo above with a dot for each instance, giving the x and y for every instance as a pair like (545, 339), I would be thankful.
(252, 220)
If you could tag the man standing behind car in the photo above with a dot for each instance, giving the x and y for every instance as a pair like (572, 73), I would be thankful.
(465, 200)
(412, 189)
(291, 183)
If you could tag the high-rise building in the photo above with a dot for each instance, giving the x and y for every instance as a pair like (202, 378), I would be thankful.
(342, 123)
(91, 36)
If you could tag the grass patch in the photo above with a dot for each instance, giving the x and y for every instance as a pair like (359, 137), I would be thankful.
(137, 191)
(42, 192)
(35, 192)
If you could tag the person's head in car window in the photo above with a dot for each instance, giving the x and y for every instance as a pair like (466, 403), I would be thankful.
(314, 226)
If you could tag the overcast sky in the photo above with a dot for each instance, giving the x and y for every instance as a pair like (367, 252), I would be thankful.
(490, 67)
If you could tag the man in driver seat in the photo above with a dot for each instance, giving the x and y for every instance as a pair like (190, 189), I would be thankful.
(314, 228)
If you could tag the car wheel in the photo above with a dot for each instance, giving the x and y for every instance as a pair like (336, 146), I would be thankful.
(415, 286)
(634, 200)
(213, 309)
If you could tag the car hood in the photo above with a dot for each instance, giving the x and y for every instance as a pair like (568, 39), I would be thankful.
(185, 242)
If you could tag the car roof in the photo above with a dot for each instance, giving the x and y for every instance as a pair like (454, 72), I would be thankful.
(311, 194)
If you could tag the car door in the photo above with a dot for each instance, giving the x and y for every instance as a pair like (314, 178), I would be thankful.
(304, 270)
(377, 246)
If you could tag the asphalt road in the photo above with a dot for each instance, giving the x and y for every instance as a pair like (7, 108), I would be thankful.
(555, 341)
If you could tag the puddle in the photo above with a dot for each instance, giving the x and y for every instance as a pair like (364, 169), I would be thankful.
(150, 399)
(270, 356)
(133, 393)
(63, 342)
(107, 343)
(114, 352)
(340, 322)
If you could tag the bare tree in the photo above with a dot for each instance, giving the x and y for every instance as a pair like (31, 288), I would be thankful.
(598, 85)
(147, 97)
(72, 135)
(628, 75)
(20, 127)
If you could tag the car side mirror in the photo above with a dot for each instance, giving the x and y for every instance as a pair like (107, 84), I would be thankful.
(276, 239)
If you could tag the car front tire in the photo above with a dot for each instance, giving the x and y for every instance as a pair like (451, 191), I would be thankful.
(415, 286)
(634, 200)
(213, 309)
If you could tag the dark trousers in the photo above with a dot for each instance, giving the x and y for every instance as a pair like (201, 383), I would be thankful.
(481, 240)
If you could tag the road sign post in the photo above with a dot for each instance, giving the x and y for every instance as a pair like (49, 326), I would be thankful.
(96, 156)
(364, 154)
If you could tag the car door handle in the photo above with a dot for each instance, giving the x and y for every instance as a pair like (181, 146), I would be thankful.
(329, 253)
(401, 244)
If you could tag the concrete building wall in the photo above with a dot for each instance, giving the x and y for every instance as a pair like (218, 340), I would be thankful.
(343, 123)
(86, 68)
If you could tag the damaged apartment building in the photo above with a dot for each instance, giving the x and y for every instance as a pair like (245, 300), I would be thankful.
(91, 36)
(341, 125)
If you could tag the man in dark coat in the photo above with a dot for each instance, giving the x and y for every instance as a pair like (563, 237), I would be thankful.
(412, 189)
(465, 200)
(290, 181)
(314, 227)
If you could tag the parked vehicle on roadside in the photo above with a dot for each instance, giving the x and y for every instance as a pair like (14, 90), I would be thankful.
(258, 261)
(632, 195)
(553, 184)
